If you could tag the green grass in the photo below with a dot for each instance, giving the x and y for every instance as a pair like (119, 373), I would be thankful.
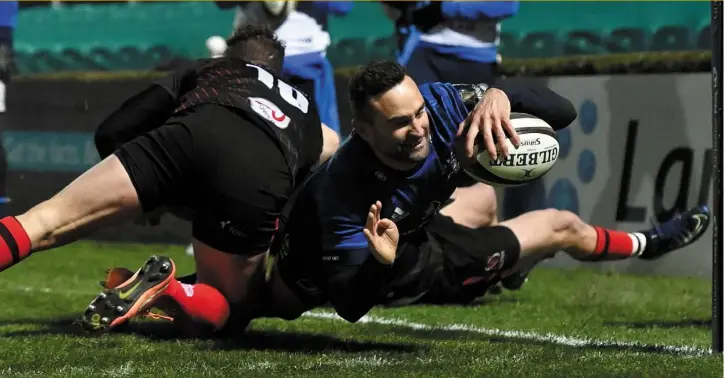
(42, 297)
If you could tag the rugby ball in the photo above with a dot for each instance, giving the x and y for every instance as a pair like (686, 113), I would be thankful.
(537, 154)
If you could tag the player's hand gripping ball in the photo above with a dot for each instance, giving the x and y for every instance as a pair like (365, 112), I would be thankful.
(535, 156)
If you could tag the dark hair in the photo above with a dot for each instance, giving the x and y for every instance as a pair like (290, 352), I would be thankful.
(373, 80)
(256, 44)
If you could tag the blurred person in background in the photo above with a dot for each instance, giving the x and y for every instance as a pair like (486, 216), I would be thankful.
(303, 28)
(8, 19)
(450, 41)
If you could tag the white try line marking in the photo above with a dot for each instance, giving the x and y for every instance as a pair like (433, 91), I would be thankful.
(521, 335)
(493, 332)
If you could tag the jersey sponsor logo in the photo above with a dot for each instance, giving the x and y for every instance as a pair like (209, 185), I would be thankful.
(399, 214)
(270, 112)
(496, 261)
(226, 226)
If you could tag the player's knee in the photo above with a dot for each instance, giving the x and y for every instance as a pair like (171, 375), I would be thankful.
(474, 207)
(567, 227)
(485, 207)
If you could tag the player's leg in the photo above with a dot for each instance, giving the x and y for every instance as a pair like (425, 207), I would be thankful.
(246, 181)
(162, 165)
(476, 206)
(543, 232)
(473, 206)
(101, 195)
(475, 259)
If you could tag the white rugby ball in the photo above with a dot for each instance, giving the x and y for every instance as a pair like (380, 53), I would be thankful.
(537, 154)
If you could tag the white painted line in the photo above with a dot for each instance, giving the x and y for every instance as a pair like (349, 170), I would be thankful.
(524, 335)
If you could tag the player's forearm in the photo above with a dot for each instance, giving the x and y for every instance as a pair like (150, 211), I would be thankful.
(353, 294)
(529, 98)
(144, 111)
(539, 101)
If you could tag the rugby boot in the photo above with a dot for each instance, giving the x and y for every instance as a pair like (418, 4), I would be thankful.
(170, 309)
(676, 233)
(135, 296)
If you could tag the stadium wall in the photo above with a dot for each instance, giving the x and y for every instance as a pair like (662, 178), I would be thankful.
(640, 148)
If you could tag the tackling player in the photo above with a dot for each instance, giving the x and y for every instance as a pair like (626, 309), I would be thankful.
(334, 247)
(234, 144)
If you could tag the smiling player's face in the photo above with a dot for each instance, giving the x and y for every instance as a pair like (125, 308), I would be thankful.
(400, 129)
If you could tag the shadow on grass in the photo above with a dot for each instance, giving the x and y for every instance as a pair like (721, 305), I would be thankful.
(701, 323)
(157, 331)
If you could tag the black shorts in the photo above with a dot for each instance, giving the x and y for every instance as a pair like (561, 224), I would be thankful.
(218, 163)
(471, 260)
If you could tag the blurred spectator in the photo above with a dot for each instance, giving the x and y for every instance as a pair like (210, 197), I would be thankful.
(450, 41)
(8, 18)
(304, 32)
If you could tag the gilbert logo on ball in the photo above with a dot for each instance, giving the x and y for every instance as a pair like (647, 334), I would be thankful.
(536, 155)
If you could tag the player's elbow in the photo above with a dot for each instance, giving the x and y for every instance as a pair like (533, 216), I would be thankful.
(331, 142)
(557, 110)
(105, 140)
(567, 114)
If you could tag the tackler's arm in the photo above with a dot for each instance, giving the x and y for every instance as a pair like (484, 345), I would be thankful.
(530, 98)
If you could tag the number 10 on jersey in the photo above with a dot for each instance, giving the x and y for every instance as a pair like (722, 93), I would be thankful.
(290, 94)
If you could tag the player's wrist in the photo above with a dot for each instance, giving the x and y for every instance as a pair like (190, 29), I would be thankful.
(381, 258)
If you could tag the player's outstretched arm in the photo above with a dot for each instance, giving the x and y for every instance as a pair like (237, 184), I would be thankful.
(141, 113)
(539, 101)
(530, 98)
(144, 111)
(358, 277)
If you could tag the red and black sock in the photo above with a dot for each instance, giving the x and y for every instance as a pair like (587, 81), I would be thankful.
(15, 244)
(201, 303)
(617, 245)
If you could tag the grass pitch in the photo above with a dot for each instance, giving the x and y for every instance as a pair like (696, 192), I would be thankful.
(561, 324)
